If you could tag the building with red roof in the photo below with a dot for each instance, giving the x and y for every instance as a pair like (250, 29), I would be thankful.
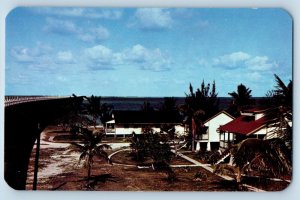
(251, 124)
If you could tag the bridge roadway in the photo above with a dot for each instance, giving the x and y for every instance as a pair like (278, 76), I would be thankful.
(13, 100)
(25, 118)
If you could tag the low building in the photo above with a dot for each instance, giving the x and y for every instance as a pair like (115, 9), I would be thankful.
(210, 139)
(251, 124)
(124, 123)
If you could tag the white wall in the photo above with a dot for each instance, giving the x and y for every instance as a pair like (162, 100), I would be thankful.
(265, 131)
(127, 131)
(179, 130)
(214, 124)
(258, 116)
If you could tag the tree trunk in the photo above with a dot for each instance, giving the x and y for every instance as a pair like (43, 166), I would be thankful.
(192, 130)
(89, 168)
(239, 175)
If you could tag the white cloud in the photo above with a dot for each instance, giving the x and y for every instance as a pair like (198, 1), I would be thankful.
(153, 19)
(137, 53)
(101, 57)
(25, 54)
(111, 14)
(97, 57)
(21, 54)
(96, 34)
(105, 14)
(65, 57)
(232, 60)
(66, 27)
(99, 52)
(243, 60)
(148, 59)
(260, 63)
(40, 57)
(60, 26)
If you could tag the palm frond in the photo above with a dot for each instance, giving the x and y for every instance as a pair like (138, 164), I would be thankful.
(102, 155)
(263, 154)
(82, 157)
(104, 146)
(225, 169)
(74, 147)
(280, 85)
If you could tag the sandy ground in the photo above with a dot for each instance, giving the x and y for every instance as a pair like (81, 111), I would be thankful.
(59, 170)
(55, 158)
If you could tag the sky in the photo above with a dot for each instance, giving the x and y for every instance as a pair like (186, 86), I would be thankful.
(145, 52)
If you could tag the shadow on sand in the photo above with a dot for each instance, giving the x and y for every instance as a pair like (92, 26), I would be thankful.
(90, 183)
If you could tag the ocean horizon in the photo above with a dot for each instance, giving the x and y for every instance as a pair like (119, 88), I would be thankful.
(136, 103)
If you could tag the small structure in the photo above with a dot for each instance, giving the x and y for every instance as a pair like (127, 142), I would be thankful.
(124, 123)
(251, 124)
(210, 139)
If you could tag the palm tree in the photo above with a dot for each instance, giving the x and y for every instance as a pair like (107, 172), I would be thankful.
(261, 155)
(283, 93)
(93, 107)
(199, 105)
(281, 111)
(90, 148)
(241, 99)
(154, 146)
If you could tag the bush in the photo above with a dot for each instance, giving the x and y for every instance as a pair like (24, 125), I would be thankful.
(200, 176)
(210, 157)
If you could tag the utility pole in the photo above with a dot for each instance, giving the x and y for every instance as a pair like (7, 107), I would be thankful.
(193, 134)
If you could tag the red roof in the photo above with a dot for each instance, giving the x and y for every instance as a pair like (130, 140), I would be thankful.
(244, 125)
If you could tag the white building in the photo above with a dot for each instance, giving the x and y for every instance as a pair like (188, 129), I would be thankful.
(127, 122)
(210, 140)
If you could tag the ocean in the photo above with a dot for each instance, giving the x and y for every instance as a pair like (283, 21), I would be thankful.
(136, 103)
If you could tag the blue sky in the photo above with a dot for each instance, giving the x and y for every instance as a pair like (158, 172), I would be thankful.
(145, 51)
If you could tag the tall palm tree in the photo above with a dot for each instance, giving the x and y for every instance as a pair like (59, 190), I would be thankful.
(199, 105)
(89, 148)
(97, 110)
(93, 107)
(241, 99)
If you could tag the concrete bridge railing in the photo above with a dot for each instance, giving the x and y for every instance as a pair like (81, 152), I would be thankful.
(24, 120)
(13, 100)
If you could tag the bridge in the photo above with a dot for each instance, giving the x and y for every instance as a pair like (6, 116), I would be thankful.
(13, 100)
(25, 118)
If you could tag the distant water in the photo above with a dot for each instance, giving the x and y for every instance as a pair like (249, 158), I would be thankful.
(136, 103)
